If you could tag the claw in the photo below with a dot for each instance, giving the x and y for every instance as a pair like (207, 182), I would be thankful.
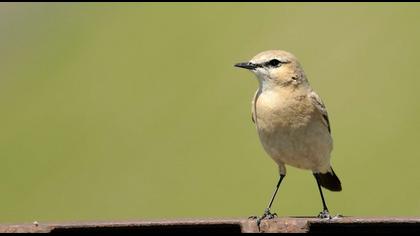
(267, 215)
(324, 215)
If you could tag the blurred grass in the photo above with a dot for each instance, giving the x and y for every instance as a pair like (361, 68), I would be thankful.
(134, 110)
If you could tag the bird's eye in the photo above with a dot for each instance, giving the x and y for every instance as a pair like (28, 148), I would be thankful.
(273, 63)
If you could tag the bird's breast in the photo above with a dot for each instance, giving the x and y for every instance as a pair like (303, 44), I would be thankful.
(291, 131)
(279, 110)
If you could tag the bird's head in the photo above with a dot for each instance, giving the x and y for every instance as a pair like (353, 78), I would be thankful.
(276, 68)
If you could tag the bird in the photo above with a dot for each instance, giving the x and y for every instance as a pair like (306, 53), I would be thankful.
(291, 121)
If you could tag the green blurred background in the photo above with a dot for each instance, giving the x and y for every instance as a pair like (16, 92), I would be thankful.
(120, 111)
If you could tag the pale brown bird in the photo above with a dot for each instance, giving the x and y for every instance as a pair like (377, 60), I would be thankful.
(292, 121)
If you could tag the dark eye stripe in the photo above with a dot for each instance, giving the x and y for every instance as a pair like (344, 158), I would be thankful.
(273, 62)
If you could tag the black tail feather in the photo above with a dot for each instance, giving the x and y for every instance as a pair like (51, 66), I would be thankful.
(329, 180)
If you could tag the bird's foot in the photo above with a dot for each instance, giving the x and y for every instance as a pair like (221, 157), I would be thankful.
(324, 214)
(267, 215)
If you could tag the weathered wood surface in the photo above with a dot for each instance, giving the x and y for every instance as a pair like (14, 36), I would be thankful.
(277, 225)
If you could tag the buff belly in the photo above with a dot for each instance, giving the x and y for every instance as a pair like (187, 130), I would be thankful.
(292, 133)
(305, 147)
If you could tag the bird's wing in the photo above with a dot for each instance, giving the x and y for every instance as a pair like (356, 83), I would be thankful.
(317, 101)
(254, 103)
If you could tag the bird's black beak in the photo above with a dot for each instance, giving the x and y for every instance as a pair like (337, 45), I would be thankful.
(246, 65)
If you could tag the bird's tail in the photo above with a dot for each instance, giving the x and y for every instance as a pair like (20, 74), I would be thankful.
(329, 180)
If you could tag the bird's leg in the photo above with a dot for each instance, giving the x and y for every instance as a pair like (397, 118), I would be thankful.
(267, 213)
(324, 214)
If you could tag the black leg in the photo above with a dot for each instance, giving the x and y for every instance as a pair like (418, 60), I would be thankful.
(267, 213)
(275, 192)
(325, 213)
